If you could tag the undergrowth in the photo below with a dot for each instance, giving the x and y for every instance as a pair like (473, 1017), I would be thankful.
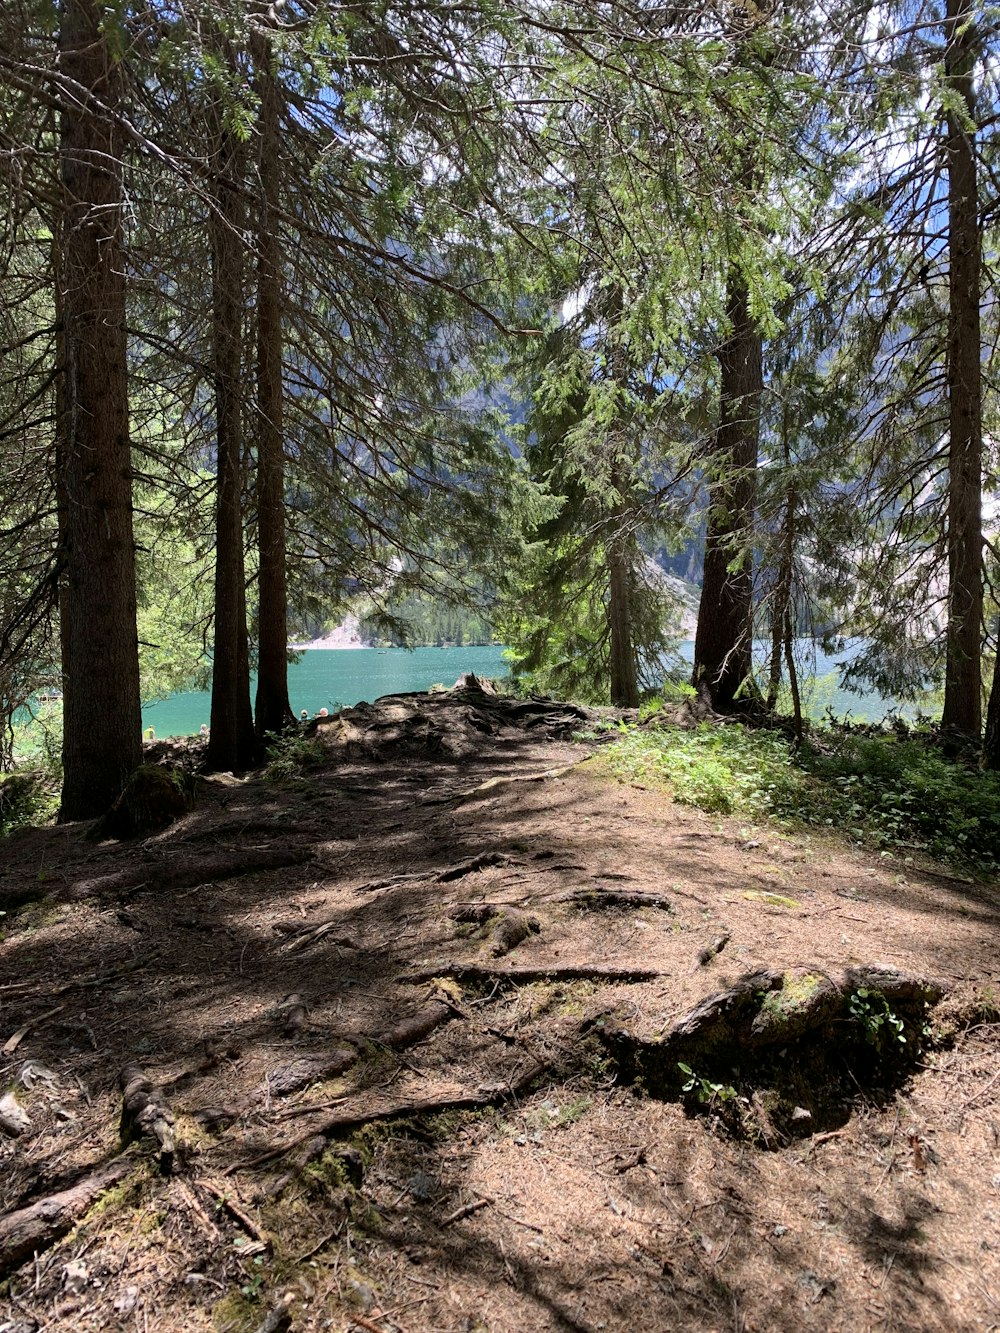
(889, 791)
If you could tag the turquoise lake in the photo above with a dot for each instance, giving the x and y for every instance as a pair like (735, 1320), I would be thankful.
(335, 678)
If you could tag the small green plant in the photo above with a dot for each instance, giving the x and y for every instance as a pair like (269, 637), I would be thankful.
(870, 1010)
(704, 1091)
(251, 1288)
(289, 756)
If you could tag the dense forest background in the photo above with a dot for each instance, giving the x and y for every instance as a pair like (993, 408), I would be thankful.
(502, 309)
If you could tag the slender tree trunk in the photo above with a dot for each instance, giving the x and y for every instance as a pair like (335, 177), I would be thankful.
(231, 742)
(723, 640)
(102, 723)
(272, 711)
(991, 738)
(963, 669)
(782, 596)
(624, 677)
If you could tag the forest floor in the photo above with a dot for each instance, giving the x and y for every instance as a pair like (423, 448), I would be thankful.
(386, 1118)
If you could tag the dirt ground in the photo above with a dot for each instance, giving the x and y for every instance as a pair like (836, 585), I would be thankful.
(385, 1121)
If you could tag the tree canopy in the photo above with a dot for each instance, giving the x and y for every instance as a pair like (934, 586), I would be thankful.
(309, 308)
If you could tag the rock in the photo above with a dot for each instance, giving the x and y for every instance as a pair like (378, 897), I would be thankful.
(13, 1118)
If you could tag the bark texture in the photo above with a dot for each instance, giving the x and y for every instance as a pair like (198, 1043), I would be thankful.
(624, 677)
(102, 721)
(723, 639)
(231, 743)
(962, 710)
(272, 710)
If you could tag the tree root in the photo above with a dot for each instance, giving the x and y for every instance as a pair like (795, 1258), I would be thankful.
(520, 976)
(414, 1027)
(599, 898)
(184, 872)
(145, 1113)
(497, 784)
(41, 1224)
(348, 1119)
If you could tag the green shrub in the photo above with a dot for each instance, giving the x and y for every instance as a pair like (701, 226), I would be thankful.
(27, 798)
(290, 755)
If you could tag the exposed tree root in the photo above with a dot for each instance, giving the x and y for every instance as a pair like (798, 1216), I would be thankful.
(452, 1100)
(520, 976)
(145, 1113)
(509, 927)
(35, 1228)
(299, 1074)
(793, 1049)
(418, 1025)
(414, 1027)
(496, 784)
(184, 872)
(598, 898)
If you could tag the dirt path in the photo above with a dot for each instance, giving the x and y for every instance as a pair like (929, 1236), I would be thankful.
(354, 1109)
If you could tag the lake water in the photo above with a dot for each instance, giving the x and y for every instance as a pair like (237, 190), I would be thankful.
(335, 678)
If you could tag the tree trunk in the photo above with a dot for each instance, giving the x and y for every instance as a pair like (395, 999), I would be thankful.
(963, 670)
(991, 738)
(231, 742)
(723, 639)
(781, 597)
(624, 677)
(102, 720)
(272, 712)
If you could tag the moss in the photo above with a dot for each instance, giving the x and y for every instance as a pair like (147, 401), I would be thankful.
(772, 899)
(803, 1001)
(235, 1313)
(127, 1193)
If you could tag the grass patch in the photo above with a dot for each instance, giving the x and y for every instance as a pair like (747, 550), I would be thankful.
(889, 791)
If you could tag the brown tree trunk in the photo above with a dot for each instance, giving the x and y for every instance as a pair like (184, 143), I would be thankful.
(991, 737)
(231, 742)
(102, 723)
(963, 669)
(272, 710)
(723, 638)
(624, 677)
(781, 597)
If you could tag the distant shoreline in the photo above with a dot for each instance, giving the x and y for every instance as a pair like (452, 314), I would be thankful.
(336, 641)
(328, 641)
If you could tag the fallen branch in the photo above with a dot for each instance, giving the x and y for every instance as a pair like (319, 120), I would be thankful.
(13, 1042)
(35, 1228)
(235, 1212)
(466, 1210)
